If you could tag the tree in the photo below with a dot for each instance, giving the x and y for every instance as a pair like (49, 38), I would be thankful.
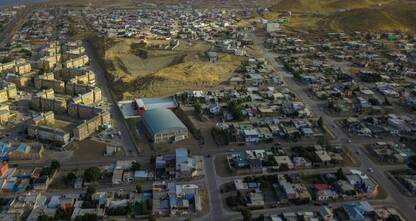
(44, 217)
(50, 170)
(70, 178)
(412, 161)
(393, 217)
(87, 217)
(386, 101)
(261, 217)
(139, 188)
(92, 174)
(320, 122)
(283, 167)
(90, 191)
(152, 159)
(135, 166)
(141, 208)
(322, 141)
(236, 110)
(197, 108)
(246, 214)
(232, 201)
(55, 165)
(340, 173)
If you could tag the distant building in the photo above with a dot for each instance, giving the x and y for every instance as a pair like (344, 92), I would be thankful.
(146, 104)
(272, 27)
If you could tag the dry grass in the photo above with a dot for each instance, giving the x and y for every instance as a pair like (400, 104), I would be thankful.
(325, 6)
(358, 15)
(390, 17)
(141, 70)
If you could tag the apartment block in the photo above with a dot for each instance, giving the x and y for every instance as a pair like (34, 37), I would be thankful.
(4, 114)
(92, 125)
(79, 76)
(19, 80)
(48, 80)
(76, 62)
(19, 66)
(46, 118)
(41, 127)
(8, 91)
(49, 62)
(46, 101)
(48, 133)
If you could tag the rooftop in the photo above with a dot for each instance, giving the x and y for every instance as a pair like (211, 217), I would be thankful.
(159, 119)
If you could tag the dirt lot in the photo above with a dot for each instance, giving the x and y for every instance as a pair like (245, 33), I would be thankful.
(221, 166)
(148, 70)
(89, 149)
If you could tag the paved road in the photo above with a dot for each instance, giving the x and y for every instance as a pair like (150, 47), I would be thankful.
(118, 121)
(216, 208)
(69, 165)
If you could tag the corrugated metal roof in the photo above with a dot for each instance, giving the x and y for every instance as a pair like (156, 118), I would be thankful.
(158, 120)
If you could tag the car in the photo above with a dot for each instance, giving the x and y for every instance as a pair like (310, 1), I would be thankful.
(371, 170)
(358, 153)
(349, 141)
(208, 156)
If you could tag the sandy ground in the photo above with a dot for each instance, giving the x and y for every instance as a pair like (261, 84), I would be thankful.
(140, 70)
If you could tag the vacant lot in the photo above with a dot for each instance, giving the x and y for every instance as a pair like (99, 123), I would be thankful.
(89, 149)
(147, 69)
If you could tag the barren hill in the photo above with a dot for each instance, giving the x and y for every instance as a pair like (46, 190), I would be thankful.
(324, 6)
(351, 15)
(138, 70)
(389, 17)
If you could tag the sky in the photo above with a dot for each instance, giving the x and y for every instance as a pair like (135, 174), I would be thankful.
(16, 2)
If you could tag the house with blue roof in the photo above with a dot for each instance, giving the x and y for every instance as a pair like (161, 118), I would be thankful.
(186, 166)
(4, 152)
(23, 148)
(358, 211)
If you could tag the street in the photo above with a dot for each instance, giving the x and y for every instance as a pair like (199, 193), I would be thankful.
(118, 121)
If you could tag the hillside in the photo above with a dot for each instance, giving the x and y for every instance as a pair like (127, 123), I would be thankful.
(324, 6)
(184, 76)
(143, 70)
(390, 17)
(351, 15)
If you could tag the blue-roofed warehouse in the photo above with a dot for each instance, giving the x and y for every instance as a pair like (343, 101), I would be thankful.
(163, 125)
